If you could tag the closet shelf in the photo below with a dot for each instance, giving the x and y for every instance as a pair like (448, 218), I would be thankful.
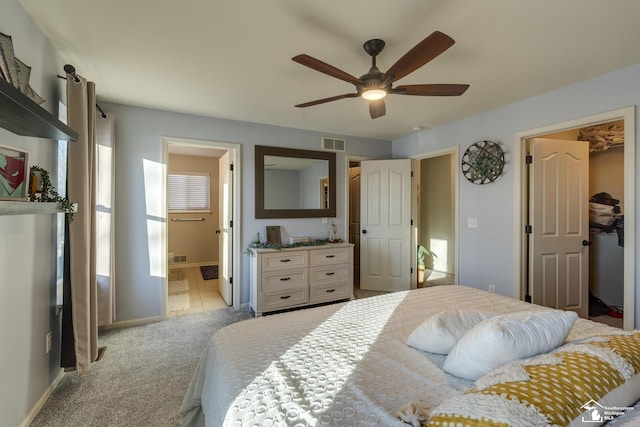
(22, 116)
(25, 208)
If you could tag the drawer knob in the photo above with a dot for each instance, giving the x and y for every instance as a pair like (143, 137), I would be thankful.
(330, 256)
(285, 260)
(284, 279)
(330, 273)
(285, 297)
(330, 290)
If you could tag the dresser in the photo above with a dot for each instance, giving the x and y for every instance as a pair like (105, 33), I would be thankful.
(296, 277)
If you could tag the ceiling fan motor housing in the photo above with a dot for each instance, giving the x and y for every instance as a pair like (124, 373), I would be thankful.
(373, 79)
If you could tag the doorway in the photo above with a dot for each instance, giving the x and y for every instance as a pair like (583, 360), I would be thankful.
(443, 200)
(436, 219)
(200, 233)
(526, 267)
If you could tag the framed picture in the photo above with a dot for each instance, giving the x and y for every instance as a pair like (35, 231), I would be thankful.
(14, 173)
(273, 234)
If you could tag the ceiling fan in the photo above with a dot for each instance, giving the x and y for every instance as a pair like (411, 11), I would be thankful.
(375, 85)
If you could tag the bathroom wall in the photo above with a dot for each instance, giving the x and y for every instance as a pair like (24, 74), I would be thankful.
(195, 239)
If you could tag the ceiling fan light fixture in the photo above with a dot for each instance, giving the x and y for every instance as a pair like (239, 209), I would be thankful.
(374, 94)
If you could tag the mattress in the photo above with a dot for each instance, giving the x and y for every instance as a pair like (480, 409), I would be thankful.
(341, 364)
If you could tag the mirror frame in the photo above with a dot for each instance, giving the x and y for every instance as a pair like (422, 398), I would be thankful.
(261, 212)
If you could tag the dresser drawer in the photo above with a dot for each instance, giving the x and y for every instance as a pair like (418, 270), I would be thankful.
(297, 277)
(332, 292)
(280, 300)
(284, 260)
(284, 279)
(329, 274)
(329, 256)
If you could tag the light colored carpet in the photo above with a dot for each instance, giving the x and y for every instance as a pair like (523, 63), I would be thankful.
(608, 320)
(142, 377)
(364, 293)
(178, 295)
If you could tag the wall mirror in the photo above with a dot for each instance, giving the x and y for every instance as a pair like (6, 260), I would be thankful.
(293, 183)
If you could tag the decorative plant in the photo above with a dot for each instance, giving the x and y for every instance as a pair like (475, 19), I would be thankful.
(258, 243)
(41, 190)
(423, 254)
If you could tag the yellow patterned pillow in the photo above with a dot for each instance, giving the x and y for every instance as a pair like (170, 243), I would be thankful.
(555, 388)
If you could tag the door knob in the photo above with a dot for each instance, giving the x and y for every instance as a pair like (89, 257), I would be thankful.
(586, 243)
(364, 231)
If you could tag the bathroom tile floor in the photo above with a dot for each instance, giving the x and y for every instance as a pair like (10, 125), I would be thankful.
(203, 294)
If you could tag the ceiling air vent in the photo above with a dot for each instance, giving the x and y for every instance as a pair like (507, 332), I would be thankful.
(334, 144)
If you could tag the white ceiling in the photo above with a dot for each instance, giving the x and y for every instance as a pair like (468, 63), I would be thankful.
(232, 59)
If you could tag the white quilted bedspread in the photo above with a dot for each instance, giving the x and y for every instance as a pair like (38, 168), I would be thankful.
(341, 364)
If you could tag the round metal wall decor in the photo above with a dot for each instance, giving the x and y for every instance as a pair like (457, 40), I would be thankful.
(483, 162)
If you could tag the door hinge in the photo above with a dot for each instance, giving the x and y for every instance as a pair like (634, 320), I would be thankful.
(528, 229)
(231, 280)
(411, 270)
(411, 174)
(528, 159)
(411, 222)
(230, 166)
(231, 224)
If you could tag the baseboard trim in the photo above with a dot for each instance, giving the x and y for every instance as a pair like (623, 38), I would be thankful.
(43, 399)
(134, 322)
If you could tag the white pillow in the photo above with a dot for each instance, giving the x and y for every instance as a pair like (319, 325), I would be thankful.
(501, 339)
(439, 333)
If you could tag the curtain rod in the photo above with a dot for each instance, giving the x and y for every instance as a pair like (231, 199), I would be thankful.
(71, 70)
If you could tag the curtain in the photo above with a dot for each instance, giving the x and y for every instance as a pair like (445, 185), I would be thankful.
(105, 132)
(80, 312)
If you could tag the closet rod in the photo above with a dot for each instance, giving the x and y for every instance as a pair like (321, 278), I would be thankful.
(71, 70)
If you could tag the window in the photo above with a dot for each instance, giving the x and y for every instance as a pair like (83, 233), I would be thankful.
(61, 186)
(188, 192)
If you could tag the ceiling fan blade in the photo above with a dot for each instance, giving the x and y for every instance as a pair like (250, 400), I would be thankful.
(325, 68)
(377, 108)
(423, 52)
(431, 90)
(323, 100)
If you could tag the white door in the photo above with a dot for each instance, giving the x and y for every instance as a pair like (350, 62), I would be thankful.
(559, 219)
(385, 239)
(225, 242)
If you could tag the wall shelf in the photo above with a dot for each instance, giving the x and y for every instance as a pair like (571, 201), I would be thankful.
(25, 208)
(22, 116)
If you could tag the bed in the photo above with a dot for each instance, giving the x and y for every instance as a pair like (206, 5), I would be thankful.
(349, 364)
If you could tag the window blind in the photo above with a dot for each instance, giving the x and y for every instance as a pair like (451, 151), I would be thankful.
(188, 192)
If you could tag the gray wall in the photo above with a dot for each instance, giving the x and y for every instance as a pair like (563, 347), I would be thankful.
(487, 254)
(139, 142)
(27, 244)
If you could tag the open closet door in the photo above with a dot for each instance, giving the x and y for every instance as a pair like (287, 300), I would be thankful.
(225, 242)
(559, 219)
(385, 239)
